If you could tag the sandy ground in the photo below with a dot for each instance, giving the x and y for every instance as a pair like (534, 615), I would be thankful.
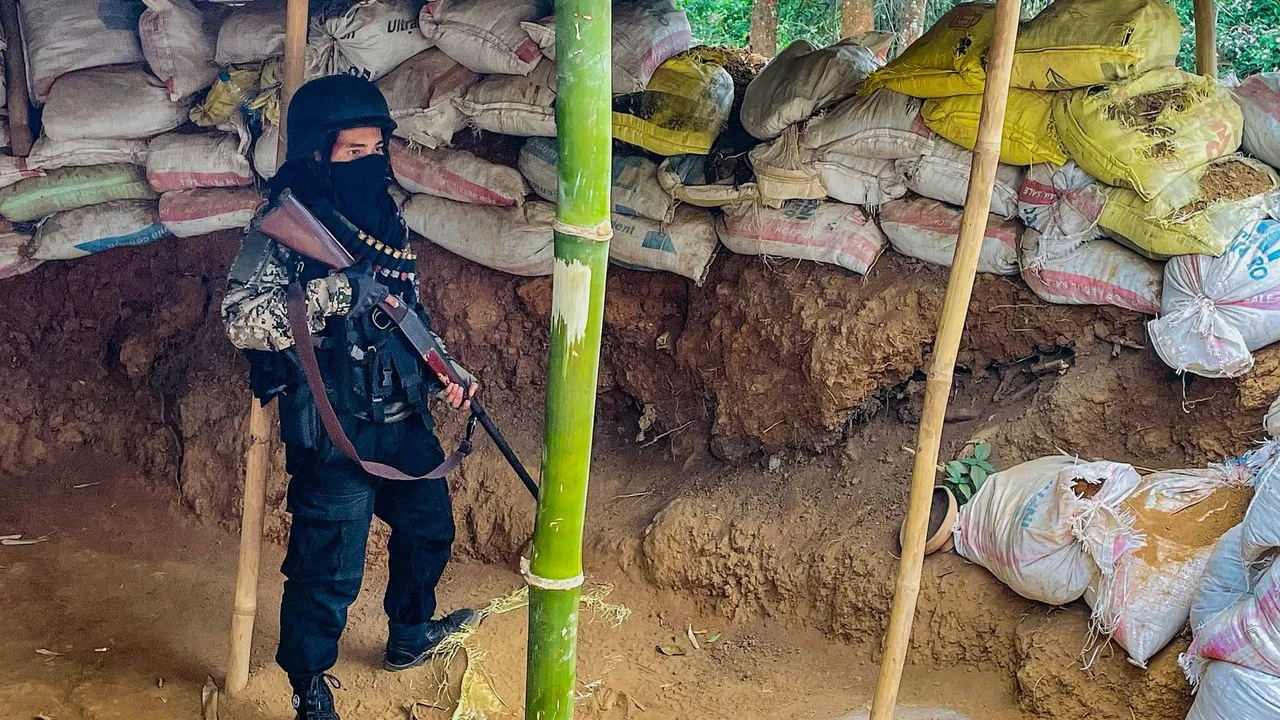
(123, 612)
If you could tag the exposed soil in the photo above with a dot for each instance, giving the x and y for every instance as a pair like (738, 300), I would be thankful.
(1227, 180)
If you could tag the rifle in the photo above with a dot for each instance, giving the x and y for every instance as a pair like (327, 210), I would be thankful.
(289, 222)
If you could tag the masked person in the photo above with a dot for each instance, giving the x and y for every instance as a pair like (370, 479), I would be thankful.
(337, 166)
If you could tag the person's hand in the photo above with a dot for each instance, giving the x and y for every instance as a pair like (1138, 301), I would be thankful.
(366, 291)
(457, 397)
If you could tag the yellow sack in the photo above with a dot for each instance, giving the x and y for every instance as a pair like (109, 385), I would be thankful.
(683, 108)
(1200, 212)
(945, 61)
(1028, 138)
(1077, 43)
(234, 86)
(1144, 133)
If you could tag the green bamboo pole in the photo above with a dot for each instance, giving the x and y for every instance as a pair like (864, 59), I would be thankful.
(585, 130)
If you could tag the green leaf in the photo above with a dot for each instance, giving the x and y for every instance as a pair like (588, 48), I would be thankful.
(956, 469)
(986, 466)
(714, 637)
(965, 491)
(979, 476)
(982, 451)
(671, 650)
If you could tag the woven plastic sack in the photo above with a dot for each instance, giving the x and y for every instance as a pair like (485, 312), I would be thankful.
(178, 42)
(251, 33)
(1078, 43)
(14, 169)
(512, 104)
(947, 60)
(634, 190)
(15, 254)
(516, 240)
(784, 172)
(232, 89)
(928, 230)
(200, 211)
(47, 154)
(1215, 311)
(98, 228)
(1028, 137)
(685, 246)
(684, 177)
(1095, 272)
(1231, 692)
(869, 182)
(70, 188)
(683, 109)
(178, 161)
(645, 33)
(485, 35)
(885, 125)
(1144, 133)
(420, 94)
(368, 40)
(799, 81)
(123, 101)
(943, 174)
(1201, 212)
(1063, 204)
(63, 36)
(1259, 99)
(456, 175)
(826, 232)
(1051, 527)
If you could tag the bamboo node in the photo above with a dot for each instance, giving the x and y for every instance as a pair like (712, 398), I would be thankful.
(600, 233)
(547, 583)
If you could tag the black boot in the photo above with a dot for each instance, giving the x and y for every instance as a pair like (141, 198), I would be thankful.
(409, 649)
(312, 699)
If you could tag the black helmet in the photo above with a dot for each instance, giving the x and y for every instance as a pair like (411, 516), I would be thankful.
(323, 107)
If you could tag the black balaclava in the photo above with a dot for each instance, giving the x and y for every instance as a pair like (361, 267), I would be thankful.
(357, 190)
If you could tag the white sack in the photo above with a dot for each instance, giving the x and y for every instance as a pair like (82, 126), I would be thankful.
(420, 94)
(456, 175)
(684, 177)
(13, 169)
(943, 174)
(1062, 203)
(514, 104)
(516, 239)
(685, 246)
(1215, 311)
(122, 101)
(884, 125)
(15, 254)
(784, 171)
(1231, 692)
(251, 33)
(870, 182)
(485, 35)
(96, 228)
(1272, 421)
(178, 161)
(63, 36)
(928, 230)
(178, 42)
(1098, 272)
(826, 232)
(265, 151)
(801, 80)
(369, 40)
(635, 189)
(48, 154)
(199, 211)
(1259, 99)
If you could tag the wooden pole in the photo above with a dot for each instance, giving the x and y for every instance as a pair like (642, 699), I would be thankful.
(977, 205)
(17, 102)
(255, 471)
(763, 39)
(856, 16)
(1206, 37)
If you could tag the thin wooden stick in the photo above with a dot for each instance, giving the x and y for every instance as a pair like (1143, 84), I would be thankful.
(1206, 37)
(295, 51)
(954, 308)
(17, 102)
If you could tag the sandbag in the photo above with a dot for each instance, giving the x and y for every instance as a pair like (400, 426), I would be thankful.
(884, 125)
(485, 35)
(266, 151)
(456, 175)
(1144, 133)
(783, 172)
(15, 254)
(826, 232)
(14, 169)
(232, 89)
(251, 33)
(420, 94)
(1226, 580)
(928, 230)
(71, 188)
(684, 177)
(48, 154)
(645, 33)
(178, 161)
(516, 239)
(1094, 272)
(513, 104)
(97, 228)
(1231, 692)
(634, 190)
(1028, 136)
(178, 42)
(368, 40)
(1215, 311)
(947, 60)
(1051, 527)
(869, 182)
(1078, 43)
(1200, 212)
(110, 102)
(685, 246)
(1063, 204)
(943, 174)
(1259, 99)
(199, 211)
(63, 36)
(801, 80)
(682, 110)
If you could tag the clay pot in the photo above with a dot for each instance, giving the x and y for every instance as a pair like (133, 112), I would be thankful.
(943, 510)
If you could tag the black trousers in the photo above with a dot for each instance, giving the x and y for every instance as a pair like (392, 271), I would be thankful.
(332, 501)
